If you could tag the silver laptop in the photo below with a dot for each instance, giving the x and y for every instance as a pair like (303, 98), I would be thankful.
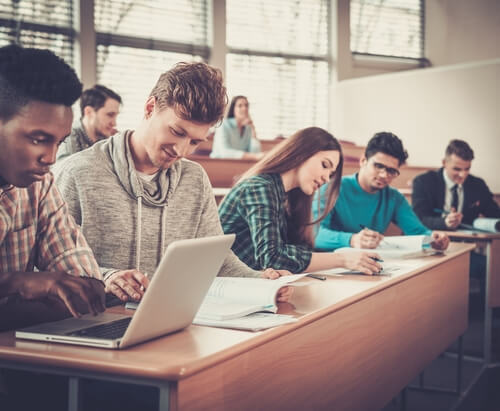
(170, 303)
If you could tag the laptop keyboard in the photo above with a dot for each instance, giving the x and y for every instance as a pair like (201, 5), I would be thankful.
(109, 331)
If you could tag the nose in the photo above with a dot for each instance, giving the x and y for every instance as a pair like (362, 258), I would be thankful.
(383, 171)
(49, 157)
(181, 147)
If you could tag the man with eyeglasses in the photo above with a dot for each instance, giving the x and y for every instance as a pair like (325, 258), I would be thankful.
(367, 204)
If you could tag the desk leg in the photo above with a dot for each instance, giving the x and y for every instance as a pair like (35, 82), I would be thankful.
(74, 397)
(488, 323)
(163, 397)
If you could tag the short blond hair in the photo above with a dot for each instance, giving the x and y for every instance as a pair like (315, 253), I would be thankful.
(194, 90)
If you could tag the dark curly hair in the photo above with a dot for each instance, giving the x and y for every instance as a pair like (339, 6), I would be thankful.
(387, 143)
(28, 74)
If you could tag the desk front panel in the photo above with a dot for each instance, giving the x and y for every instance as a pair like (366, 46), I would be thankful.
(358, 357)
(494, 271)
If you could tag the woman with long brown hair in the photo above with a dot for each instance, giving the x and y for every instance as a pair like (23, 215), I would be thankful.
(269, 209)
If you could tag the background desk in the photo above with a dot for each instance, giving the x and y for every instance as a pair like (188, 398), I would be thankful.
(358, 342)
(492, 242)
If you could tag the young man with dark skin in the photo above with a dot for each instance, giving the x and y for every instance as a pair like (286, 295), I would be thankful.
(367, 204)
(37, 90)
(36, 229)
(99, 108)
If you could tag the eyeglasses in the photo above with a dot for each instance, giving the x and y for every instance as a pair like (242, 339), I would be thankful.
(391, 172)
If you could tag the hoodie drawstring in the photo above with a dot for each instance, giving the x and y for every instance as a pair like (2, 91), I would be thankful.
(138, 234)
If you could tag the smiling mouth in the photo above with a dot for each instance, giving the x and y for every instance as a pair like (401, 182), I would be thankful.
(169, 155)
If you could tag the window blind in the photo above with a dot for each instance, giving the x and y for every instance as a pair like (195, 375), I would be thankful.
(40, 24)
(137, 41)
(392, 28)
(278, 58)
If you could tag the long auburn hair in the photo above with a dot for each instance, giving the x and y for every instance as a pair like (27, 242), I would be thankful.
(290, 154)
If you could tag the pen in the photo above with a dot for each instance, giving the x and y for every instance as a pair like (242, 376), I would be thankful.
(142, 287)
(317, 277)
(439, 211)
(378, 260)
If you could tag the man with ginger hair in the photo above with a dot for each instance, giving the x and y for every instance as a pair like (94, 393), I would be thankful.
(135, 193)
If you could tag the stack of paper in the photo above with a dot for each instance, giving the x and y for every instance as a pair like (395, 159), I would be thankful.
(397, 247)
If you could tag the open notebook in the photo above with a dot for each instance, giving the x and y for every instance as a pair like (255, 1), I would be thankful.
(170, 303)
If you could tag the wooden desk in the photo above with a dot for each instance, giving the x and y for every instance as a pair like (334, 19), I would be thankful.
(223, 172)
(359, 340)
(492, 242)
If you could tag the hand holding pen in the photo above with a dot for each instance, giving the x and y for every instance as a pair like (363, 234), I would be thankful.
(452, 219)
(366, 238)
(364, 262)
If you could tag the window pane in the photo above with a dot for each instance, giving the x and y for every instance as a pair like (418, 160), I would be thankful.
(181, 20)
(132, 73)
(285, 95)
(49, 12)
(390, 28)
(278, 59)
(280, 26)
(41, 24)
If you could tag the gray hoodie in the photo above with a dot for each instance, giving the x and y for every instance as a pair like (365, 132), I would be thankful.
(128, 222)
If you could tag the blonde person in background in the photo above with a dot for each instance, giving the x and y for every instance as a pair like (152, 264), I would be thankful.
(236, 137)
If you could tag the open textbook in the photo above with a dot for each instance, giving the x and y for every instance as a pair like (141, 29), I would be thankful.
(234, 297)
(399, 246)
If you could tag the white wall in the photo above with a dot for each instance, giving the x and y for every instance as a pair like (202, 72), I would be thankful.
(427, 108)
(460, 31)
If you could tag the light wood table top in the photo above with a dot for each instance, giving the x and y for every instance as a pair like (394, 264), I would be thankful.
(351, 330)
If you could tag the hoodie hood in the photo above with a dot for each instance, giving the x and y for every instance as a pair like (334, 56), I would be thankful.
(154, 193)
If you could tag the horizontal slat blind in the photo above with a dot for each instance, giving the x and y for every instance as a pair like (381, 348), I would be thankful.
(278, 26)
(278, 59)
(132, 73)
(137, 41)
(285, 95)
(39, 23)
(184, 21)
(387, 28)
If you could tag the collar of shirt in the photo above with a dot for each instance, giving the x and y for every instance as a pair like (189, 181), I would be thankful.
(449, 183)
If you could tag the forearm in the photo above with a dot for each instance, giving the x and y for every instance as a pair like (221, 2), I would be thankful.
(325, 261)
(331, 240)
(234, 267)
(9, 284)
(16, 313)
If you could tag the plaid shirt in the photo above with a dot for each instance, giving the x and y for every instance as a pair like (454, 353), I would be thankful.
(36, 229)
(255, 211)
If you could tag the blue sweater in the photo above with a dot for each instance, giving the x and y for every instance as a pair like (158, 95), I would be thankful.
(356, 207)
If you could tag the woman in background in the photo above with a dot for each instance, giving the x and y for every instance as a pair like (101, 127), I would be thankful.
(269, 209)
(236, 137)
